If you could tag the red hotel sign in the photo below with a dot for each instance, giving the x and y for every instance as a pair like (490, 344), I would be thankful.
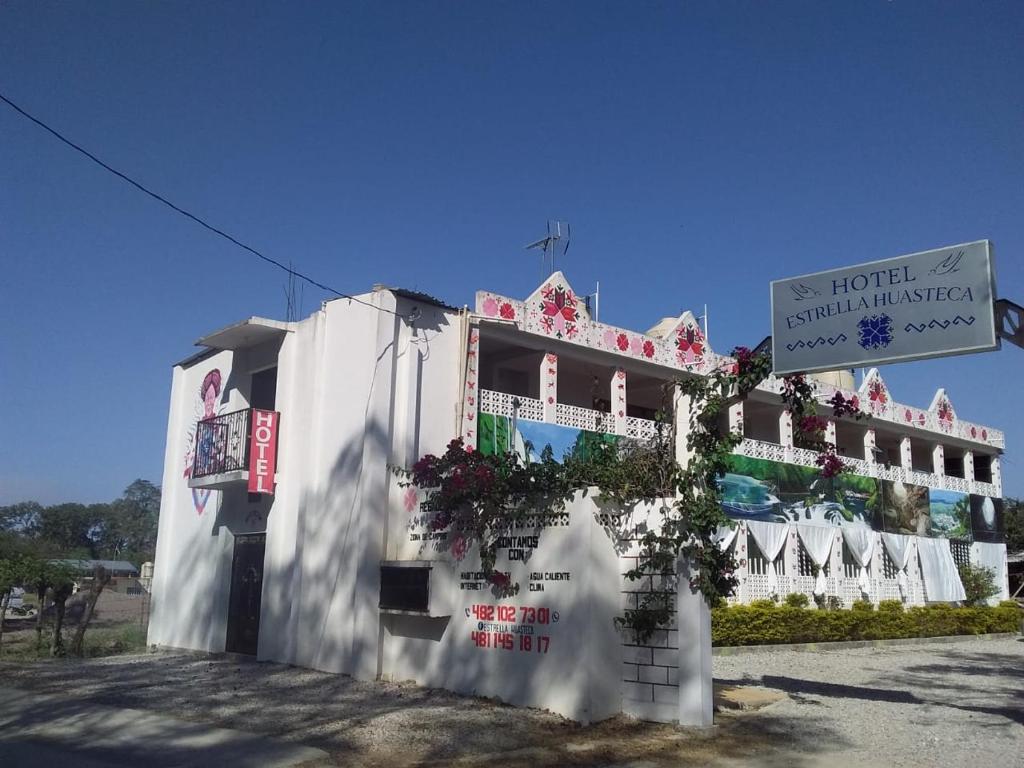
(263, 451)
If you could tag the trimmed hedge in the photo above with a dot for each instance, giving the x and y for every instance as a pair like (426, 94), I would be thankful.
(766, 623)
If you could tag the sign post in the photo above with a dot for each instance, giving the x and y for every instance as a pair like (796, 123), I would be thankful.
(930, 304)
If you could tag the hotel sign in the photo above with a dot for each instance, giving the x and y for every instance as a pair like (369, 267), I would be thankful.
(263, 451)
(927, 304)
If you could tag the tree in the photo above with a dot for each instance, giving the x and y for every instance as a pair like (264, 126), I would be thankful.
(979, 584)
(100, 579)
(1014, 516)
(11, 573)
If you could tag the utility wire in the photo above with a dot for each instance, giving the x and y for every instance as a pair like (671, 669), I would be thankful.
(186, 214)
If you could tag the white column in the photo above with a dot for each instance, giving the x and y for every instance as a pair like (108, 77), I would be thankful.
(939, 460)
(906, 454)
(471, 394)
(997, 476)
(836, 562)
(736, 418)
(742, 563)
(693, 617)
(618, 400)
(786, 435)
(869, 446)
(696, 693)
(969, 466)
(830, 432)
(790, 561)
(549, 386)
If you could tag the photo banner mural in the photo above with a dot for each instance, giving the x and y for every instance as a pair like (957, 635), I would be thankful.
(760, 489)
(773, 491)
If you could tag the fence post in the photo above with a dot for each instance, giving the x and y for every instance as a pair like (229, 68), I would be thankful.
(693, 617)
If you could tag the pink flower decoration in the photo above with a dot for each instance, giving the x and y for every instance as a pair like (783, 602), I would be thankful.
(490, 307)
(648, 348)
(609, 339)
(622, 342)
(508, 312)
(409, 500)
(636, 346)
(907, 415)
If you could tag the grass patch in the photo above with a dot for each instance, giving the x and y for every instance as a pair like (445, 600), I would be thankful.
(20, 645)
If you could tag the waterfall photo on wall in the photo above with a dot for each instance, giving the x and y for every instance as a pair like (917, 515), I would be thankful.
(987, 519)
(760, 489)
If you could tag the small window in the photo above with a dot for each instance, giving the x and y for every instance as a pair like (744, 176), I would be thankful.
(404, 589)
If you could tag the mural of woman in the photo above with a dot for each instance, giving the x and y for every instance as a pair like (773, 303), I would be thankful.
(209, 390)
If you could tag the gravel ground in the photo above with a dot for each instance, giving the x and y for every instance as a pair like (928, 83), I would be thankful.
(958, 703)
(951, 704)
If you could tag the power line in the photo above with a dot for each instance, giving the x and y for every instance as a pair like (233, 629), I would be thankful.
(187, 214)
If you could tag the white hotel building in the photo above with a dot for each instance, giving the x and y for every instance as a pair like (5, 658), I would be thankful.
(329, 571)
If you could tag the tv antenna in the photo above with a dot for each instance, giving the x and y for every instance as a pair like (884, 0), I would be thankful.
(555, 241)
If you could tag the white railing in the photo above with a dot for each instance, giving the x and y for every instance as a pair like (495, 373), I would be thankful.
(531, 409)
(759, 449)
(583, 418)
(641, 429)
(504, 404)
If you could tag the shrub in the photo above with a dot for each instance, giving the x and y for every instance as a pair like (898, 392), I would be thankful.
(796, 600)
(764, 623)
(764, 604)
(979, 583)
(863, 605)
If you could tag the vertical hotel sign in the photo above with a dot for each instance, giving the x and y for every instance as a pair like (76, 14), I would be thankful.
(263, 451)
(928, 304)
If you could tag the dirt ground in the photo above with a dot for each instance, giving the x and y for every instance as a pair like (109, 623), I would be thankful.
(388, 724)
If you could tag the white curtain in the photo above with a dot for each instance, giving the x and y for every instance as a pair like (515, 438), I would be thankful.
(860, 540)
(989, 555)
(941, 579)
(770, 538)
(817, 541)
(726, 535)
(899, 548)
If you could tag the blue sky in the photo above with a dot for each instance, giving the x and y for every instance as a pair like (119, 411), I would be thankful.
(699, 151)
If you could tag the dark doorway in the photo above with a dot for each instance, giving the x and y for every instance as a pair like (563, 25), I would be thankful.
(263, 389)
(246, 592)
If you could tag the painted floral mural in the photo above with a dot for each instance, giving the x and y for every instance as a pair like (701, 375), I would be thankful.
(689, 345)
(559, 311)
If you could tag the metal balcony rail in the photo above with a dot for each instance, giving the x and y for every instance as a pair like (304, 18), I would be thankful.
(222, 444)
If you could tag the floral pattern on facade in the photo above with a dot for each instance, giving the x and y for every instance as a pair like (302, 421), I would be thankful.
(470, 401)
(559, 313)
(689, 345)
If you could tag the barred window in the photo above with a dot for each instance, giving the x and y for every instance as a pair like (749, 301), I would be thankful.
(757, 563)
(961, 551)
(805, 565)
(889, 569)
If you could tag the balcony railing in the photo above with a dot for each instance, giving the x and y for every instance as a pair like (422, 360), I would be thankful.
(587, 419)
(758, 449)
(222, 444)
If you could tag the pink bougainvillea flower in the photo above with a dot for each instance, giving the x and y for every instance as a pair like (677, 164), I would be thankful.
(459, 547)
(490, 307)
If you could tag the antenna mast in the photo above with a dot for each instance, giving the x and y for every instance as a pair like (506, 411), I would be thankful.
(548, 245)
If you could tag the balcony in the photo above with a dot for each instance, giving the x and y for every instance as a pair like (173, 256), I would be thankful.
(222, 449)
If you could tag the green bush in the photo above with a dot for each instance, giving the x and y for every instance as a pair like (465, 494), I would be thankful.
(863, 605)
(797, 600)
(979, 583)
(765, 623)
